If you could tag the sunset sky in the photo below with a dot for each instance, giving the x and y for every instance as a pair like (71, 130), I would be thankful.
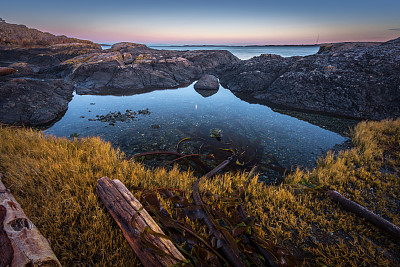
(211, 22)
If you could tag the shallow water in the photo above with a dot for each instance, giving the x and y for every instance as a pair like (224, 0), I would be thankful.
(179, 113)
(247, 52)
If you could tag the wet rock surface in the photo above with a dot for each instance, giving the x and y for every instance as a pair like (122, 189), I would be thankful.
(358, 81)
(207, 82)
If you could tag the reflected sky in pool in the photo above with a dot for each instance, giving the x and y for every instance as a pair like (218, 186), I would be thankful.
(183, 112)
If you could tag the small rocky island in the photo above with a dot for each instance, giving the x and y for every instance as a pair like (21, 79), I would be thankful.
(39, 72)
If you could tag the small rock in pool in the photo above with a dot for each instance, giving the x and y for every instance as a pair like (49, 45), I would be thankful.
(216, 133)
(155, 126)
(144, 111)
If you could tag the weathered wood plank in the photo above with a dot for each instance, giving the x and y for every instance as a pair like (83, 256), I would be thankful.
(130, 216)
(29, 247)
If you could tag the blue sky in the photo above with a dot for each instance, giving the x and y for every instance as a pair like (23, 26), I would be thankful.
(211, 22)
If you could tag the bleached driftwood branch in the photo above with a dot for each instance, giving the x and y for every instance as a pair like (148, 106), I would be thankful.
(21, 243)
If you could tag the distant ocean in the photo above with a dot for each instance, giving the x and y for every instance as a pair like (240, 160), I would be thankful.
(247, 52)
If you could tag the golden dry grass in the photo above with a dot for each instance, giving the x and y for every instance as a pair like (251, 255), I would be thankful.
(54, 181)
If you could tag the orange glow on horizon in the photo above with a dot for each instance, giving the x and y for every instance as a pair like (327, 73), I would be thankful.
(261, 36)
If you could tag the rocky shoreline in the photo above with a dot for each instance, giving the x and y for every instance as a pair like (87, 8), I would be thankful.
(352, 80)
(356, 80)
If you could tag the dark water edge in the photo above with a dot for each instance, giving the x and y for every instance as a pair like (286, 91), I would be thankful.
(338, 124)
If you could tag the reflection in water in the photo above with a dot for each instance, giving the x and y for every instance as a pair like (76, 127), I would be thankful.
(206, 93)
(179, 113)
(337, 124)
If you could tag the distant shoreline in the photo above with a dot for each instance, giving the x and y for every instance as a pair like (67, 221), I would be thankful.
(168, 45)
(155, 45)
(246, 46)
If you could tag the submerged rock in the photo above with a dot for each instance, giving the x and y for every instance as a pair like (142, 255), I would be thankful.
(216, 133)
(113, 117)
(207, 82)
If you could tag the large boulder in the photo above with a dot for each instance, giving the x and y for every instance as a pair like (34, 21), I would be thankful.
(207, 82)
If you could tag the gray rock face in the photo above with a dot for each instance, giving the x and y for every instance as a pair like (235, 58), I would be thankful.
(207, 82)
(46, 76)
(362, 81)
(135, 67)
(33, 102)
(13, 35)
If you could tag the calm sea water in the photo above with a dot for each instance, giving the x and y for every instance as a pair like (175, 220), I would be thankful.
(179, 113)
(247, 52)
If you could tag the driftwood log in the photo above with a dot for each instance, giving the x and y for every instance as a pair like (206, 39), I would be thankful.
(135, 223)
(21, 243)
(364, 213)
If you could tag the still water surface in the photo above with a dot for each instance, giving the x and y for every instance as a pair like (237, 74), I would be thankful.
(179, 113)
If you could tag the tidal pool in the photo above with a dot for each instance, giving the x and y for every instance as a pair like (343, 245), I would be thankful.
(175, 114)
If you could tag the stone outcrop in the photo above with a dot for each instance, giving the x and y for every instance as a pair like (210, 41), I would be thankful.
(128, 68)
(360, 81)
(33, 92)
(338, 47)
(13, 35)
(207, 82)
(41, 78)
(33, 102)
